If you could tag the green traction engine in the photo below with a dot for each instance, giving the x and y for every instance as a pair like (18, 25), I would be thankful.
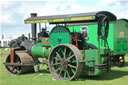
(64, 50)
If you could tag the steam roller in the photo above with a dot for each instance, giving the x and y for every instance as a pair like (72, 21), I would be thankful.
(68, 51)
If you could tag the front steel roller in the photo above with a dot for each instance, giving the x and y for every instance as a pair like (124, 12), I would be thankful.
(19, 59)
(65, 62)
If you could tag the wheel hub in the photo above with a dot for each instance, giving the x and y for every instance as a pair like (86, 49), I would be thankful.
(64, 64)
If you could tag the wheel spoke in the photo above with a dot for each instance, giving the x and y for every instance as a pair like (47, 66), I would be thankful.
(71, 57)
(64, 75)
(73, 71)
(72, 66)
(74, 61)
(60, 71)
(60, 50)
(64, 52)
(12, 68)
(56, 58)
(58, 68)
(68, 74)
(56, 63)
(69, 54)
(17, 70)
(58, 55)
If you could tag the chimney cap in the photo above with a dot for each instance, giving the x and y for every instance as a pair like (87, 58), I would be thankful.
(33, 14)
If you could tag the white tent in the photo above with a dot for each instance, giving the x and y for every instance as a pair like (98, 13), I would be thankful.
(4, 42)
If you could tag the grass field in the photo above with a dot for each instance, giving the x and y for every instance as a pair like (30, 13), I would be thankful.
(117, 76)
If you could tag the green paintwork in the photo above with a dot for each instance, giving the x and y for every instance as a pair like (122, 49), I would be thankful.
(104, 51)
(117, 44)
(59, 35)
(99, 59)
(45, 40)
(121, 37)
(39, 51)
(92, 33)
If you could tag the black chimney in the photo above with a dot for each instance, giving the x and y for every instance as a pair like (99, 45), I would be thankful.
(33, 28)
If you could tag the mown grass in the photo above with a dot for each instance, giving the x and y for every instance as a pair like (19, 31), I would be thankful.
(117, 76)
(4, 51)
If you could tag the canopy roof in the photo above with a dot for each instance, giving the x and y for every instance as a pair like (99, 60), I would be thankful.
(71, 18)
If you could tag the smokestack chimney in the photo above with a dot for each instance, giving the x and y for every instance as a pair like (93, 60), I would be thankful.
(33, 28)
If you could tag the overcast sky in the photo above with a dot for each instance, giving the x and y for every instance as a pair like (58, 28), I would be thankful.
(13, 12)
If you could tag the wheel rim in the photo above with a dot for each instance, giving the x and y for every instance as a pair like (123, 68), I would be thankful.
(14, 69)
(119, 61)
(64, 63)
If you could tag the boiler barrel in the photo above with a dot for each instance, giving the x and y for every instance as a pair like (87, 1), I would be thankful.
(39, 51)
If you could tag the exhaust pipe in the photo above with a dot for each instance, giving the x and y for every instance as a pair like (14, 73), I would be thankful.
(33, 27)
